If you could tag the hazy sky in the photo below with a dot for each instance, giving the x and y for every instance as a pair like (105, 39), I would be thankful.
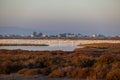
(56, 16)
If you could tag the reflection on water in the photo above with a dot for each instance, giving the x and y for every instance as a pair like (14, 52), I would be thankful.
(42, 48)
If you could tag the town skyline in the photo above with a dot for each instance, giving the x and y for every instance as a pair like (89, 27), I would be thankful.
(40, 35)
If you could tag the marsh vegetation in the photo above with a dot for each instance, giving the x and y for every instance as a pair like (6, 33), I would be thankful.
(94, 61)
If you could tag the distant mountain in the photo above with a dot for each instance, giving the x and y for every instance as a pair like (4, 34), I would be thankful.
(14, 30)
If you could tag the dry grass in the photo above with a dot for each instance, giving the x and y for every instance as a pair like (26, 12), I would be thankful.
(26, 71)
(86, 63)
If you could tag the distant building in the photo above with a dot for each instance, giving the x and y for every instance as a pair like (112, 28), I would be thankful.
(62, 35)
(94, 35)
(101, 36)
(37, 35)
(69, 35)
(34, 34)
(44, 35)
(40, 34)
(58, 35)
(79, 35)
(31, 35)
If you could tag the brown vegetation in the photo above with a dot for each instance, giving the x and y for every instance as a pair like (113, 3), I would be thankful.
(91, 63)
(24, 45)
(29, 71)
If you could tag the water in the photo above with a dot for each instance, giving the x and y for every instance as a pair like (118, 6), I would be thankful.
(42, 48)
(35, 77)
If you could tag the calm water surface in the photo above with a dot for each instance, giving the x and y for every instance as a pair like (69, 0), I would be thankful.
(42, 48)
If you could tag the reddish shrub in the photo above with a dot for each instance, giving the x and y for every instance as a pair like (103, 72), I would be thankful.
(45, 71)
(99, 71)
(106, 59)
(29, 71)
(113, 75)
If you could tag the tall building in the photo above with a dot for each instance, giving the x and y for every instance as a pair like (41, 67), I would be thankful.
(34, 34)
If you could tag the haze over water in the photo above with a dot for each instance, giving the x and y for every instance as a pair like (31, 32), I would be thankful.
(58, 16)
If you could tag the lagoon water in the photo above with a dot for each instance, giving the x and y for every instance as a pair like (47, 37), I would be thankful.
(42, 48)
(54, 44)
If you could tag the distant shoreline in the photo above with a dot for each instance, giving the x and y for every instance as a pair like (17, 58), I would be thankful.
(38, 42)
(66, 38)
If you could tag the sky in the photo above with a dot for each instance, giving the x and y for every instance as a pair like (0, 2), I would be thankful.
(59, 16)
